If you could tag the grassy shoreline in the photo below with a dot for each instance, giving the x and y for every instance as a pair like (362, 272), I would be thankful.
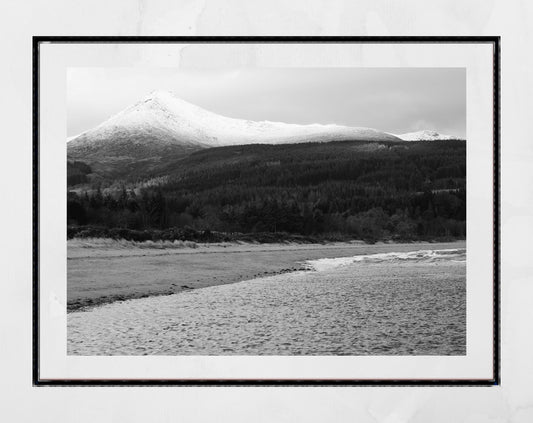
(206, 236)
(101, 274)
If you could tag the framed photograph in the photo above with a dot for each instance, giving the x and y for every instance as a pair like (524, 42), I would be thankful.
(266, 211)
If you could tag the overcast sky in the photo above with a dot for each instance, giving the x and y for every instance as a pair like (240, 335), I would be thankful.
(395, 100)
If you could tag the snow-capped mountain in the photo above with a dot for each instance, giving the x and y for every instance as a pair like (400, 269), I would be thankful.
(163, 120)
(425, 135)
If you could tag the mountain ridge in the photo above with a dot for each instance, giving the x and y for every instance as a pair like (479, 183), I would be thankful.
(426, 135)
(170, 120)
(163, 127)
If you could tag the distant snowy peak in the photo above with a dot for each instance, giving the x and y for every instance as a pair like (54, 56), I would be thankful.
(426, 135)
(163, 118)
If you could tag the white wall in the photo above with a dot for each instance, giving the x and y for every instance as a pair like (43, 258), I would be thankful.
(513, 401)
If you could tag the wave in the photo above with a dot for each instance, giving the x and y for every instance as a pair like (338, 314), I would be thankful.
(427, 256)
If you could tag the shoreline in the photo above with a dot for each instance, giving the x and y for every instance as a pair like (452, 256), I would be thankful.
(102, 272)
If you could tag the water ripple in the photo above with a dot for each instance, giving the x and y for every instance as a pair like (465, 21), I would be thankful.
(376, 306)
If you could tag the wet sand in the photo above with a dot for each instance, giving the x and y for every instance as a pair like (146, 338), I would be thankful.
(105, 272)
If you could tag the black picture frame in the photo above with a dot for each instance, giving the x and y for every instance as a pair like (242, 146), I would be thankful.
(493, 40)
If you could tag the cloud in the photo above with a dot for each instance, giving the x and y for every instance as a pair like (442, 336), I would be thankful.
(395, 100)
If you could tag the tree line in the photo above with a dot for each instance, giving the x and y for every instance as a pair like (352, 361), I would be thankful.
(347, 190)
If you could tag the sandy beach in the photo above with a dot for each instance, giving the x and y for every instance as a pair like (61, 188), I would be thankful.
(105, 271)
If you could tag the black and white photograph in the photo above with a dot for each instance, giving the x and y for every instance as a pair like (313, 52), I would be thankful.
(266, 211)
(240, 211)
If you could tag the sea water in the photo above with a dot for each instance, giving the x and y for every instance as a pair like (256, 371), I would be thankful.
(381, 304)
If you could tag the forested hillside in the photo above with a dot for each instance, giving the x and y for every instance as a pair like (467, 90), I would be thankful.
(337, 190)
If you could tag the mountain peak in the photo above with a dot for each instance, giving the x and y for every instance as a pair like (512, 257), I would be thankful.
(164, 118)
(426, 135)
(164, 96)
(168, 103)
(158, 93)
